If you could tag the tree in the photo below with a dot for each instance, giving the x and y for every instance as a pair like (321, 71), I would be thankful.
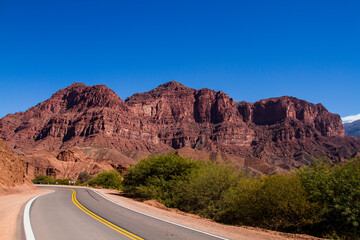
(84, 177)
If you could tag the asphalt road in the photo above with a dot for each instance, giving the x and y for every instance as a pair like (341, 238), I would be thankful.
(83, 214)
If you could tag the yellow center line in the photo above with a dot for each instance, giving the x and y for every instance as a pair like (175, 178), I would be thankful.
(103, 221)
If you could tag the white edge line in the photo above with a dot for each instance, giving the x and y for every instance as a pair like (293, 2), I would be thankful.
(29, 234)
(179, 225)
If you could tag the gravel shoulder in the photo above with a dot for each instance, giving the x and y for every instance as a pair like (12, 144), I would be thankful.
(156, 209)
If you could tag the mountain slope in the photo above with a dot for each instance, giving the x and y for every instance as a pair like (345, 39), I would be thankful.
(352, 129)
(78, 115)
(268, 135)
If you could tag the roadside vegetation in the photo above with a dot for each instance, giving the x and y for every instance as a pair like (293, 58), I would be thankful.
(83, 177)
(43, 179)
(321, 200)
(106, 179)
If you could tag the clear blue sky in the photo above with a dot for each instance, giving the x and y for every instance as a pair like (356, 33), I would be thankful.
(249, 49)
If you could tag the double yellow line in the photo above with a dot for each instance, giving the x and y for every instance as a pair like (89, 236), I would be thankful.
(100, 219)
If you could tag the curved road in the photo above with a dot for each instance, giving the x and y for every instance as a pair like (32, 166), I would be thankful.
(80, 213)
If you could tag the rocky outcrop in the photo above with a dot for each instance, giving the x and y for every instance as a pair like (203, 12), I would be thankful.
(274, 110)
(69, 163)
(185, 117)
(13, 172)
(269, 135)
(292, 132)
(79, 115)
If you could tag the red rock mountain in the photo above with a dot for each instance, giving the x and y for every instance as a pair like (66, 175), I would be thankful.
(80, 121)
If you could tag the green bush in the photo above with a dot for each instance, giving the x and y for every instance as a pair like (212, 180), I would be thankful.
(203, 191)
(51, 180)
(158, 177)
(282, 204)
(63, 181)
(322, 199)
(240, 202)
(107, 179)
(43, 178)
(337, 190)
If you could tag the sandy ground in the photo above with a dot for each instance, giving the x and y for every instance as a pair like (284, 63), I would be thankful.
(12, 207)
(156, 209)
(11, 213)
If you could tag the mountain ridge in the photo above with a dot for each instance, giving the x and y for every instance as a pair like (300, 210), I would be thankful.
(281, 133)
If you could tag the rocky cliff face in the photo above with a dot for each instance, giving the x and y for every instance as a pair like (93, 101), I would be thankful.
(292, 132)
(185, 117)
(271, 134)
(13, 172)
(275, 110)
(78, 115)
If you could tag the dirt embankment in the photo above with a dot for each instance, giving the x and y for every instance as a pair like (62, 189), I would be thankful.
(13, 177)
(15, 190)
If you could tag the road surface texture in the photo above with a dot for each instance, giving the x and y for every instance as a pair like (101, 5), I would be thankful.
(80, 213)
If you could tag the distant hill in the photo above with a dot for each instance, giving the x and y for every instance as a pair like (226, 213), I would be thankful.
(352, 129)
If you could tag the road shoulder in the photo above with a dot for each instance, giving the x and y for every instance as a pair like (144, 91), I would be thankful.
(11, 212)
(156, 209)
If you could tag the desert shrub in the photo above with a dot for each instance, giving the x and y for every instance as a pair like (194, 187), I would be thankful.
(158, 177)
(283, 203)
(43, 178)
(107, 179)
(322, 199)
(240, 202)
(84, 177)
(337, 190)
(203, 191)
(277, 202)
(63, 181)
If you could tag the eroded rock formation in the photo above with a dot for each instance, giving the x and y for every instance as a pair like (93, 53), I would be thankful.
(269, 135)
(13, 177)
